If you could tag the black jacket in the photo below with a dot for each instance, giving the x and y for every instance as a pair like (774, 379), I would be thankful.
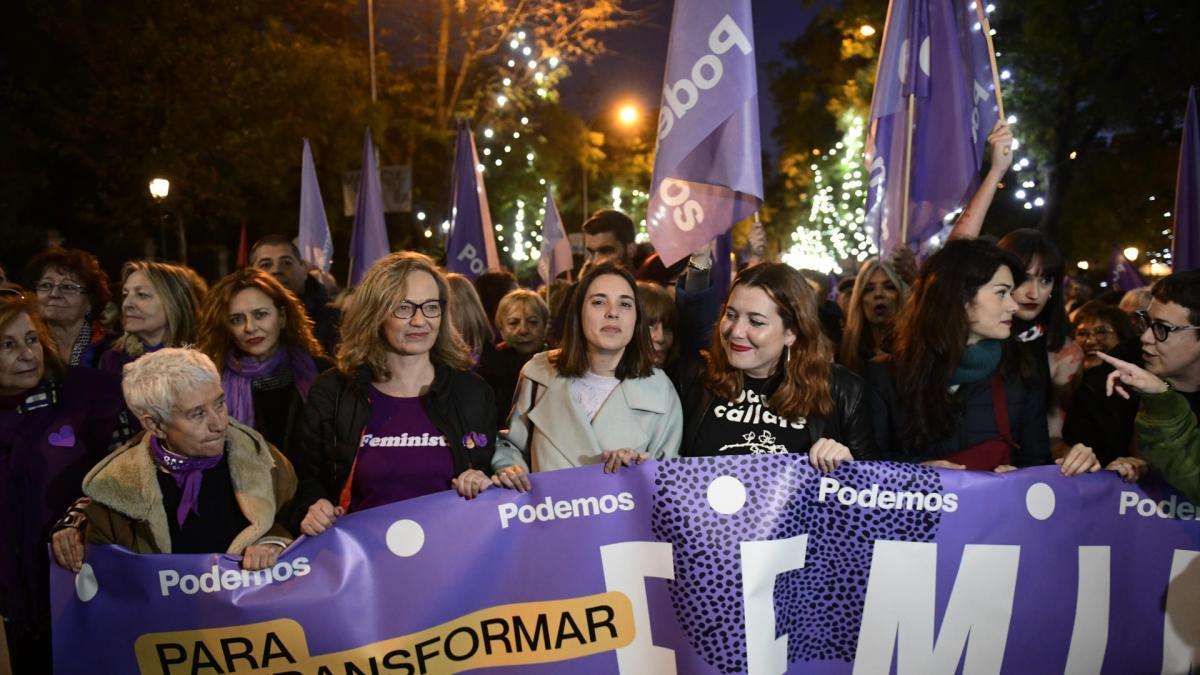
(337, 411)
(850, 423)
(1103, 423)
(976, 420)
(325, 317)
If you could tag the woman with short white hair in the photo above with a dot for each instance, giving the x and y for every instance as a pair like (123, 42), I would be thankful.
(195, 481)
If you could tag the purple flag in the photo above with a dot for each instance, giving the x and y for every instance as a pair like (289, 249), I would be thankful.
(955, 108)
(1123, 274)
(369, 241)
(707, 164)
(1185, 254)
(555, 255)
(471, 249)
(316, 244)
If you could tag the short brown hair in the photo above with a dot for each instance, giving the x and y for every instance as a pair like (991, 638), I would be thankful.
(375, 297)
(82, 265)
(13, 305)
(181, 292)
(807, 364)
(213, 337)
(572, 359)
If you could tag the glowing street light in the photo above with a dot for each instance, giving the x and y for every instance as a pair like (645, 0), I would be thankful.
(628, 114)
(1131, 253)
(867, 30)
(159, 187)
(1082, 264)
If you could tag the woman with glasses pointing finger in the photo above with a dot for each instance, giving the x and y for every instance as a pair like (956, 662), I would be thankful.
(401, 415)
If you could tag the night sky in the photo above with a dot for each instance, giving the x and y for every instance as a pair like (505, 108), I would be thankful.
(636, 60)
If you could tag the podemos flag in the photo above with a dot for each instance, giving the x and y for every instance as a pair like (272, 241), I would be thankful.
(707, 163)
(471, 249)
(369, 241)
(316, 244)
(936, 51)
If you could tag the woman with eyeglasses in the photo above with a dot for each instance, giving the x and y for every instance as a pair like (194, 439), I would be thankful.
(72, 291)
(402, 415)
(261, 340)
(1102, 422)
(598, 399)
(56, 421)
(160, 303)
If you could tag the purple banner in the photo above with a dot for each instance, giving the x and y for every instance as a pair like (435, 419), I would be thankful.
(1186, 245)
(1122, 273)
(471, 247)
(713, 565)
(934, 50)
(707, 163)
(555, 255)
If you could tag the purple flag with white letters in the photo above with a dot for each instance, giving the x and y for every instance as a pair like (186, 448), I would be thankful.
(471, 247)
(1122, 273)
(369, 241)
(555, 256)
(707, 164)
(1185, 253)
(316, 244)
(934, 50)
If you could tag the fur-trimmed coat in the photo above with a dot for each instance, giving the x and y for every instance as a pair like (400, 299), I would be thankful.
(126, 506)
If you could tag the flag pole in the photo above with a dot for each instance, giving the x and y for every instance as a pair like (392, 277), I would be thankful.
(987, 35)
(908, 143)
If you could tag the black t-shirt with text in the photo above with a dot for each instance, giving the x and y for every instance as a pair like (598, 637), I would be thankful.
(747, 426)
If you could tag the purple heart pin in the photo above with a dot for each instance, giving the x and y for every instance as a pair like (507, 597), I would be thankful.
(64, 437)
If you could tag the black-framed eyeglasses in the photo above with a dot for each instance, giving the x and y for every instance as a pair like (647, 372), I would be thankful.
(64, 287)
(1096, 333)
(1161, 329)
(431, 309)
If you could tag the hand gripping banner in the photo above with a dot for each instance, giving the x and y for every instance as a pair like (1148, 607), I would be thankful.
(713, 565)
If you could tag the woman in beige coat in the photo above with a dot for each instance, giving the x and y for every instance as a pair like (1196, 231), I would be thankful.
(598, 399)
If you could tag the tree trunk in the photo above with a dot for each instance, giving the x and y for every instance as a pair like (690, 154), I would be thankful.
(441, 113)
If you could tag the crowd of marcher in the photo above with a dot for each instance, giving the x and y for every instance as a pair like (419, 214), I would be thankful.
(167, 415)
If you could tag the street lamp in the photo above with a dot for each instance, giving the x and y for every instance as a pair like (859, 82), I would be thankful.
(1131, 253)
(628, 114)
(159, 188)
(867, 30)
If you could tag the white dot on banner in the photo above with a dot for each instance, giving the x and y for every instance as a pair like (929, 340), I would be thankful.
(726, 495)
(1039, 501)
(86, 586)
(405, 538)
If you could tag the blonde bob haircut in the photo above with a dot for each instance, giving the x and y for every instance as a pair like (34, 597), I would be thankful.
(363, 340)
(525, 297)
(181, 292)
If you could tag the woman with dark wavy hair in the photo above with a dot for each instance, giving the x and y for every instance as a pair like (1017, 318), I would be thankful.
(259, 337)
(596, 400)
(954, 393)
(768, 384)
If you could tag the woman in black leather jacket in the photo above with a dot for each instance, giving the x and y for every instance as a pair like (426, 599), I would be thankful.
(401, 416)
(768, 385)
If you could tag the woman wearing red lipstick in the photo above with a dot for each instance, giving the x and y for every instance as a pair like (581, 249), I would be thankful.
(768, 384)
(402, 415)
(261, 340)
(878, 295)
(596, 400)
(953, 393)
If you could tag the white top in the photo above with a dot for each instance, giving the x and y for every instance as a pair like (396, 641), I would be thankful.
(591, 391)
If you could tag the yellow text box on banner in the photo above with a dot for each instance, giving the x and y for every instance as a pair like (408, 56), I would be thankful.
(505, 635)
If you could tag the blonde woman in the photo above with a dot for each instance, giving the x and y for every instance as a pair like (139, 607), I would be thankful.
(159, 307)
(470, 319)
(522, 318)
(401, 415)
(878, 295)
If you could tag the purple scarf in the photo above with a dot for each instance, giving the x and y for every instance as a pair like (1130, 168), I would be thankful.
(240, 372)
(187, 472)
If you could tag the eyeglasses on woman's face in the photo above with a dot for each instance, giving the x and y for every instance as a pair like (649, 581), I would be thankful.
(430, 309)
(1161, 329)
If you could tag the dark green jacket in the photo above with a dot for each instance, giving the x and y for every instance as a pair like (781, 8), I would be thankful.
(1169, 438)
